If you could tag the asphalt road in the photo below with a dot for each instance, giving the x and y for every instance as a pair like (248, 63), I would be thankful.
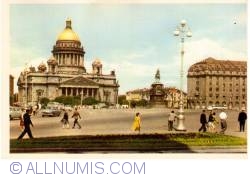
(117, 121)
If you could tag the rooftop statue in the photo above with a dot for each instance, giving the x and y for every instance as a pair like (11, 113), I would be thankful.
(157, 76)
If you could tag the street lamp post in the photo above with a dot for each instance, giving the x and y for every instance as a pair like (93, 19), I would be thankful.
(31, 90)
(26, 85)
(182, 31)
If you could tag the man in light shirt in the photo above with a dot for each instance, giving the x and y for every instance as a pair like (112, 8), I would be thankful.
(223, 121)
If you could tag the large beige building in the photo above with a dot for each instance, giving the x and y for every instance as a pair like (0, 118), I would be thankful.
(65, 74)
(217, 82)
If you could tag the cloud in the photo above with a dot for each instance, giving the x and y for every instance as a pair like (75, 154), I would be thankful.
(204, 48)
(132, 75)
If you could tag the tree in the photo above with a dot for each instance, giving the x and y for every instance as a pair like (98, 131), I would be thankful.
(142, 102)
(68, 100)
(90, 101)
(122, 100)
(44, 101)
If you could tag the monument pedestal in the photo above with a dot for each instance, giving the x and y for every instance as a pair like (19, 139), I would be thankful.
(157, 94)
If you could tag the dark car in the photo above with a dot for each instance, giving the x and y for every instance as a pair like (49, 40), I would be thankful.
(51, 112)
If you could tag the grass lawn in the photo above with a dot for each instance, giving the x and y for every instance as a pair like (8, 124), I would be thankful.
(143, 142)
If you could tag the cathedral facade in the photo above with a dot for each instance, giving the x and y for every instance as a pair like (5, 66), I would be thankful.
(65, 74)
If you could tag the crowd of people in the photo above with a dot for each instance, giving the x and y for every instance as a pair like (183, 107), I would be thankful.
(213, 121)
(207, 125)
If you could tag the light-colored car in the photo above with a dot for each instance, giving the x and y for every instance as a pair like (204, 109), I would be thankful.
(15, 112)
(51, 112)
(68, 108)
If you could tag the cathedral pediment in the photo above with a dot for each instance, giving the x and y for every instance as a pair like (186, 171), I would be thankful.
(79, 81)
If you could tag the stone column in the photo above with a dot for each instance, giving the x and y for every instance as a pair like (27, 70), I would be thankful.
(92, 92)
(66, 91)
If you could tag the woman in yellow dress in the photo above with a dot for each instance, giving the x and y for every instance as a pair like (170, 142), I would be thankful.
(137, 122)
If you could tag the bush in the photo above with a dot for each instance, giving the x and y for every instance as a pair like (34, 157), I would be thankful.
(68, 100)
(89, 101)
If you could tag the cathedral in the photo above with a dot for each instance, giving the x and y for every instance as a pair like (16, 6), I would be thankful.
(65, 74)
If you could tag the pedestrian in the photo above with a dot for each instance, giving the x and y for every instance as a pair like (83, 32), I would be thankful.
(137, 123)
(27, 122)
(76, 116)
(21, 123)
(242, 119)
(171, 120)
(211, 121)
(34, 110)
(223, 121)
(65, 120)
(203, 121)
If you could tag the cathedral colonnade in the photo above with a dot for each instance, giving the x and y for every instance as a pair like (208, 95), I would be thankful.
(77, 91)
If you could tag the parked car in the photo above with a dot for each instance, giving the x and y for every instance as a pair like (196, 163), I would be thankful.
(51, 112)
(220, 107)
(68, 108)
(214, 107)
(15, 112)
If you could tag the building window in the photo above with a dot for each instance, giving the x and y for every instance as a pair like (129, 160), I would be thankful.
(230, 90)
(197, 82)
(243, 96)
(243, 90)
(217, 89)
(197, 89)
(217, 96)
(210, 88)
(217, 83)
(210, 95)
(237, 97)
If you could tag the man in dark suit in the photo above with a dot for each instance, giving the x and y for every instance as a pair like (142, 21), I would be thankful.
(27, 123)
(242, 119)
(203, 121)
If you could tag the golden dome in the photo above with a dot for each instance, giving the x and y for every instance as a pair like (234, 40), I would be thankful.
(68, 34)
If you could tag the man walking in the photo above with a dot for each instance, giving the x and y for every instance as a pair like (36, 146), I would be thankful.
(242, 119)
(203, 121)
(27, 123)
(171, 119)
(76, 116)
(223, 121)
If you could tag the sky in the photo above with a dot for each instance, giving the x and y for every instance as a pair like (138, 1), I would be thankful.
(133, 39)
